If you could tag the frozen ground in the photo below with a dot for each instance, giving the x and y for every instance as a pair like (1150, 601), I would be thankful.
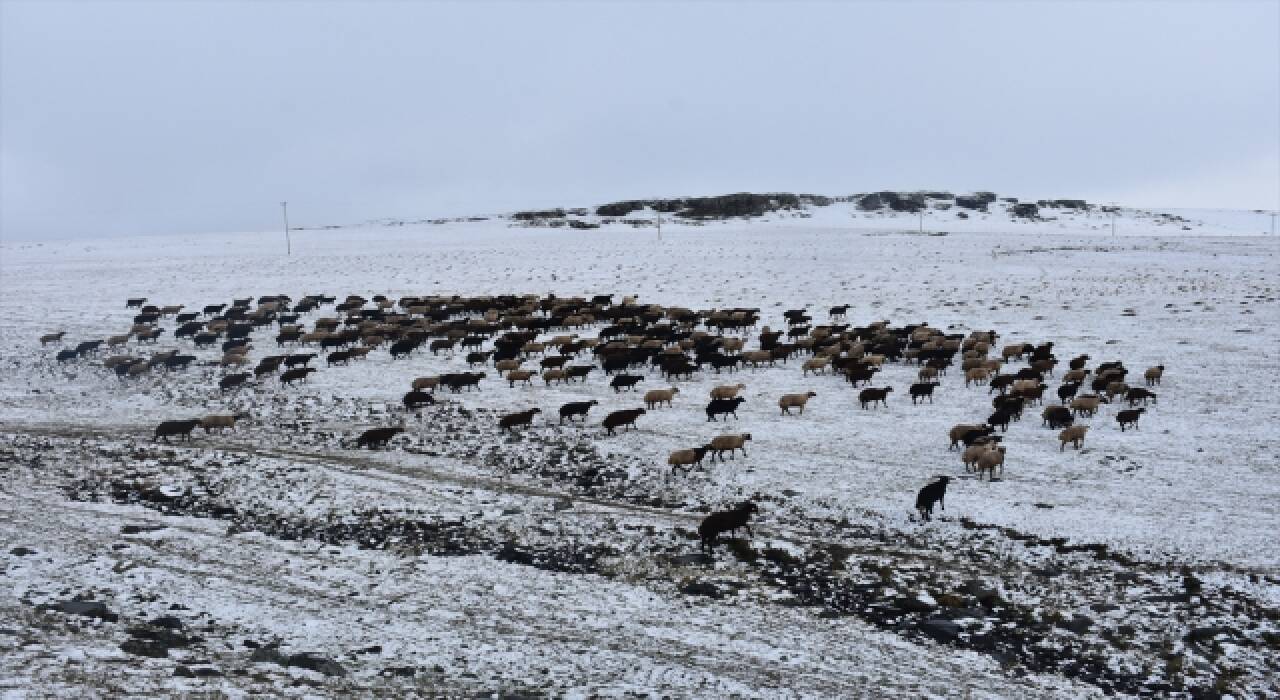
(557, 561)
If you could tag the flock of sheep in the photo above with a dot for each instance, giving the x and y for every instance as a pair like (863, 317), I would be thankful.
(631, 341)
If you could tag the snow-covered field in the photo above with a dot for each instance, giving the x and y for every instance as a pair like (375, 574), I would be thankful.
(558, 561)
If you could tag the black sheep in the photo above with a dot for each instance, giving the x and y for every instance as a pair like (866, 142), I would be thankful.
(723, 407)
(64, 355)
(1067, 391)
(339, 357)
(920, 390)
(618, 419)
(874, 396)
(1129, 417)
(933, 493)
(181, 428)
(294, 375)
(1057, 417)
(578, 372)
(403, 348)
(1001, 419)
(625, 381)
(178, 362)
(375, 437)
(576, 408)
(417, 399)
(725, 521)
(232, 381)
(299, 359)
(511, 420)
(1136, 394)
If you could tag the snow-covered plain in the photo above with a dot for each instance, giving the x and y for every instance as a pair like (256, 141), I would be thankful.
(1190, 496)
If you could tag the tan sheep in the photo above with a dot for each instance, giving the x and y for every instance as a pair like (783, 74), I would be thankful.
(520, 375)
(1020, 385)
(972, 453)
(873, 360)
(657, 397)
(729, 443)
(817, 365)
(989, 460)
(555, 375)
(1086, 404)
(1153, 375)
(117, 340)
(687, 458)
(977, 375)
(1073, 435)
(757, 357)
(960, 430)
(233, 359)
(507, 365)
(790, 401)
(1075, 375)
(428, 383)
(221, 422)
(927, 373)
(1116, 388)
(727, 391)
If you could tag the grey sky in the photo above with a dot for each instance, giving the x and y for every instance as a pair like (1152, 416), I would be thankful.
(120, 118)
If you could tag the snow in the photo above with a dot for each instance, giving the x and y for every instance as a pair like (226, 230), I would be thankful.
(1195, 486)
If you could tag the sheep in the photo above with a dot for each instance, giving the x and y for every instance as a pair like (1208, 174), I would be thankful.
(727, 391)
(623, 418)
(511, 420)
(930, 494)
(755, 358)
(181, 428)
(718, 407)
(1067, 391)
(230, 381)
(976, 375)
(989, 460)
(1075, 376)
(555, 375)
(1057, 417)
(972, 453)
(1073, 434)
(117, 340)
(507, 365)
(627, 381)
(1129, 417)
(1020, 385)
(818, 365)
(874, 396)
(687, 458)
(375, 437)
(1087, 404)
(927, 373)
(520, 375)
(657, 397)
(303, 358)
(790, 401)
(427, 383)
(576, 408)
(959, 431)
(729, 443)
(294, 375)
(920, 390)
(221, 422)
(1116, 389)
(417, 399)
(1153, 375)
(1000, 419)
(1137, 393)
(720, 522)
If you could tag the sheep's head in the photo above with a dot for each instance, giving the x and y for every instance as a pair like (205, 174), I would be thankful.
(811, 394)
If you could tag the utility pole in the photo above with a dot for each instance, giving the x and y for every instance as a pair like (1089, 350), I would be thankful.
(1113, 219)
(921, 221)
(658, 211)
(288, 245)
(1273, 223)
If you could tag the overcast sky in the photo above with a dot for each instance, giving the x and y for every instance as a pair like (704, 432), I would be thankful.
(153, 117)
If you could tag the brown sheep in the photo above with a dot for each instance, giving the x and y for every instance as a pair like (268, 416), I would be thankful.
(790, 401)
(730, 443)
(657, 397)
(1153, 375)
(52, 337)
(727, 391)
(511, 420)
(520, 375)
(221, 422)
(1087, 404)
(976, 375)
(1073, 435)
(687, 458)
(555, 375)
(428, 383)
(989, 460)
